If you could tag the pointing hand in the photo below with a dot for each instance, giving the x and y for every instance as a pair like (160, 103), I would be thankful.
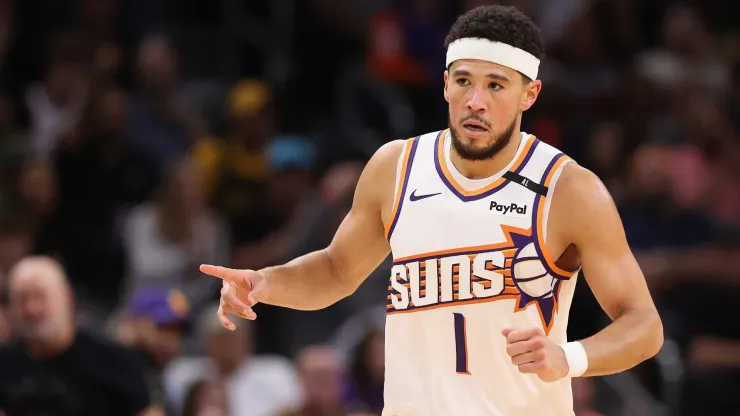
(240, 291)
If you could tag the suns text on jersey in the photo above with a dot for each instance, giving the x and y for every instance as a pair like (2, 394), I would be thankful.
(476, 274)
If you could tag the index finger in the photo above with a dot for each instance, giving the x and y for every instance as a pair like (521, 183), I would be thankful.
(230, 275)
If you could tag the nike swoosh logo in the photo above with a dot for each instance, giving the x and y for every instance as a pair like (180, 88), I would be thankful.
(415, 197)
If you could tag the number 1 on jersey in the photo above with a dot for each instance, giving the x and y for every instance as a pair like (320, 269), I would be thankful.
(461, 344)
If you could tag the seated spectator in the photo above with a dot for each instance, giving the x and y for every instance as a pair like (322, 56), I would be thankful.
(234, 167)
(364, 389)
(206, 398)
(404, 45)
(695, 287)
(320, 371)
(97, 177)
(290, 160)
(14, 149)
(153, 325)
(54, 368)
(15, 243)
(691, 265)
(353, 331)
(315, 214)
(160, 126)
(583, 397)
(56, 102)
(38, 191)
(405, 50)
(168, 238)
(686, 55)
(580, 65)
(256, 385)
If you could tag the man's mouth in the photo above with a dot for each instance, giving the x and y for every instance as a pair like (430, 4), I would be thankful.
(474, 126)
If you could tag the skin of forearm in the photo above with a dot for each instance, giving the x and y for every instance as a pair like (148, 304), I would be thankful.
(629, 340)
(309, 282)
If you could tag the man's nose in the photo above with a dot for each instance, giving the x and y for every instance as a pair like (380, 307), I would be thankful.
(476, 100)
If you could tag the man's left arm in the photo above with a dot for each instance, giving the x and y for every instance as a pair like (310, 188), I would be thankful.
(583, 214)
(586, 217)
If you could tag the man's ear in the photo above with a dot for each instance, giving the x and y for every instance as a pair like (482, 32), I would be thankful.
(446, 93)
(530, 94)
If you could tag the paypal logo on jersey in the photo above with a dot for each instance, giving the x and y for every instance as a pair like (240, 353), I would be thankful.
(508, 209)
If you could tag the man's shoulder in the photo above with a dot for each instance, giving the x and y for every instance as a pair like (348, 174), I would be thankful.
(389, 152)
(581, 202)
(380, 171)
(578, 186)
(112, 365)
(87, 345)
(92, 343)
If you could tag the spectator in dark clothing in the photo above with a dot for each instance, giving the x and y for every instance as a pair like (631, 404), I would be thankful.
(97, 177)
(160, 127)
(153, 325)
(403, 49)
(235, 167)
(53, 369)
(14, 149)
(697, 290)
(364, 391)
(15, 243)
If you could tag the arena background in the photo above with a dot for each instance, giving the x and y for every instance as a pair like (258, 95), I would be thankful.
(140, 138)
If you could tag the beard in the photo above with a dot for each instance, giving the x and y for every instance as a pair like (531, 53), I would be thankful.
(42, 329)
(474, 154)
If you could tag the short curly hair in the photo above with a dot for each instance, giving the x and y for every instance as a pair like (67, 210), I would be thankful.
(498, 23)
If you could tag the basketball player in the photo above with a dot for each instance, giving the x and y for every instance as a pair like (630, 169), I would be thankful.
(488, 227)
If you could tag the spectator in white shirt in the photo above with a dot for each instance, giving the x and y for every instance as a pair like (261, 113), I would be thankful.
(256, 385)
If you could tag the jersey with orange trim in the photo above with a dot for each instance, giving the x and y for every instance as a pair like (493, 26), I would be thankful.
(469, 259)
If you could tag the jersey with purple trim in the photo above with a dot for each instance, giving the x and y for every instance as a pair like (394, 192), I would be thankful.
(469, 259)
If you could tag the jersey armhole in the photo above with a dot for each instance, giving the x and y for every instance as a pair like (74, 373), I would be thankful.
(542, 214)
(403, 169)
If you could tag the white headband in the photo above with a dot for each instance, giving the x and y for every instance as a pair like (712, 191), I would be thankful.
(496, 52)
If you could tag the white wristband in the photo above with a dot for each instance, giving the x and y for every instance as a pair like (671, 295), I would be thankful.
(576, 357)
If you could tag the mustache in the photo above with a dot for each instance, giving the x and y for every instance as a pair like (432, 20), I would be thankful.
(477, 118)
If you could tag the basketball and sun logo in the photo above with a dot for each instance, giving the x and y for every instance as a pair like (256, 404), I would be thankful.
(513, 269)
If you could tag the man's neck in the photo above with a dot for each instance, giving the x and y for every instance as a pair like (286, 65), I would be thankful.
(50, 348)
(484, 168)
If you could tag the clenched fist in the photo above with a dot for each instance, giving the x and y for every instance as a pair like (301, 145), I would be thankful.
(533, 352)
(240, 291)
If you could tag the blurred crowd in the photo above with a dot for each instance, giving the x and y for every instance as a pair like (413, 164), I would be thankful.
(141, 138)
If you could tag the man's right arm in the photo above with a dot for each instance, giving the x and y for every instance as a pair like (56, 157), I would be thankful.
(322, 278)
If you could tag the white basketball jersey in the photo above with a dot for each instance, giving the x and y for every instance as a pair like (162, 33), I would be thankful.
(469, 260)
